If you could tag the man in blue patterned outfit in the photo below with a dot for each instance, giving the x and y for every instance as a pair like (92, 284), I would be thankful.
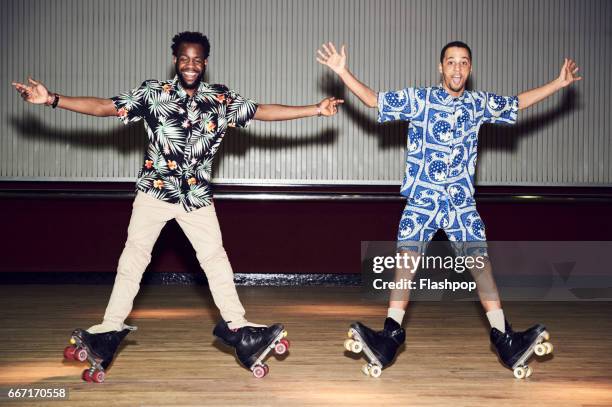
(439, 180)
(185, 120)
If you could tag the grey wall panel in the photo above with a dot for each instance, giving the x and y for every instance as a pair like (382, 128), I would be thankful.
(265, 49)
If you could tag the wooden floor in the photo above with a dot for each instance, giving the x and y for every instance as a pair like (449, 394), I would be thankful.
(172, 359)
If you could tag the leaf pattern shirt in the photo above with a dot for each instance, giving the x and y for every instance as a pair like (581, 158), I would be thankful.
(184, 133)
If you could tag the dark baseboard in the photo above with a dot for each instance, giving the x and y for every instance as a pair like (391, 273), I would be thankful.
(160, 278)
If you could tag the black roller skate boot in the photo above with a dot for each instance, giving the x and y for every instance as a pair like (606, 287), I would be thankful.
(252, 344)
(515, 348)
(379, 347)
(97, 349)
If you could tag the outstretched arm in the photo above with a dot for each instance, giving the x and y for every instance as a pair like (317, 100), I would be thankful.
(337, 62)
(38, 94)
(566, 78)
(327, 107)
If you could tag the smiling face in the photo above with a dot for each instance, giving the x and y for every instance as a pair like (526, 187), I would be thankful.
(190, 65)
(456, 67)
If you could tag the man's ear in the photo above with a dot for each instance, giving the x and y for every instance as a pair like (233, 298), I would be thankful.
(440, 67)
(173, 60)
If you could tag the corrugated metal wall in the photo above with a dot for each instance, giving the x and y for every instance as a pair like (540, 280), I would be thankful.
(265, 49)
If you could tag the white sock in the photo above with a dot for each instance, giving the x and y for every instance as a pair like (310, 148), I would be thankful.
(497, 320)
(396, 314)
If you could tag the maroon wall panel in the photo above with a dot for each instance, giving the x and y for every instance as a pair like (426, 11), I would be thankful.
(76, 234)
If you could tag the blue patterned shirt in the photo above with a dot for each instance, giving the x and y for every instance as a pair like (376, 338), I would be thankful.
(443, 137)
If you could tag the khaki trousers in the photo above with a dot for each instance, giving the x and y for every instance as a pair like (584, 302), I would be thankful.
(149, 215)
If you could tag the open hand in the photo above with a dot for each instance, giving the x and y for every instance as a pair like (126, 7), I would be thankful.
(329, 106)
(330, 57)
(568, 73)
(35, 92)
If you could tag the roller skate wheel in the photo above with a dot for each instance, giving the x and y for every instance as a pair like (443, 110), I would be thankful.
(72, 341)
(375, 371)
(280, 348)
(98, 376)
(549, 347)
(546, 336)
(365, 369)
(520, 372)
(259, 371)
(86, 375)
(356, 347)
(540, 349)
(348, 344)
(267, 369)
(529, 372)
(284, 334)
(69, 352)
(80, 355)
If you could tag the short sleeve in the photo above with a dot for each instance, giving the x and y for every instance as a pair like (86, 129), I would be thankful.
(240, 110)
(131, 106)
(396, 105)
(500, 109)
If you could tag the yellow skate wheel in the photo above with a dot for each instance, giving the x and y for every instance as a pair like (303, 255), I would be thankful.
(72, 341)
(540, 349)
(348, 344)
(520, 372)
(549, 347)
(375, 371)
(529, 372)
(356, 347)
(365, 369)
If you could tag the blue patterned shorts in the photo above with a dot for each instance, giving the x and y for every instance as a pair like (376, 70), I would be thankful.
(422, 217)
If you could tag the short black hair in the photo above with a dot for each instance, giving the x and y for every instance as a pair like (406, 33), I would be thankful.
(193, 37)
(457, 44)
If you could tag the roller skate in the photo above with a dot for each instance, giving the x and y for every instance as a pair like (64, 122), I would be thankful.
(515, 348)
(97, 349)
(379, 347)
(252, 344)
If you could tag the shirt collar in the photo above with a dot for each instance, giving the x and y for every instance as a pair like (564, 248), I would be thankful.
(178, 88)
(447, 98)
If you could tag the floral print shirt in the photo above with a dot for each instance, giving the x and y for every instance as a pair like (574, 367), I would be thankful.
(184, 133)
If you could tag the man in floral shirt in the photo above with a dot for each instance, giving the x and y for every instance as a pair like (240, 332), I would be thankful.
(438, 181)
(184, 132)
(185, 120)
